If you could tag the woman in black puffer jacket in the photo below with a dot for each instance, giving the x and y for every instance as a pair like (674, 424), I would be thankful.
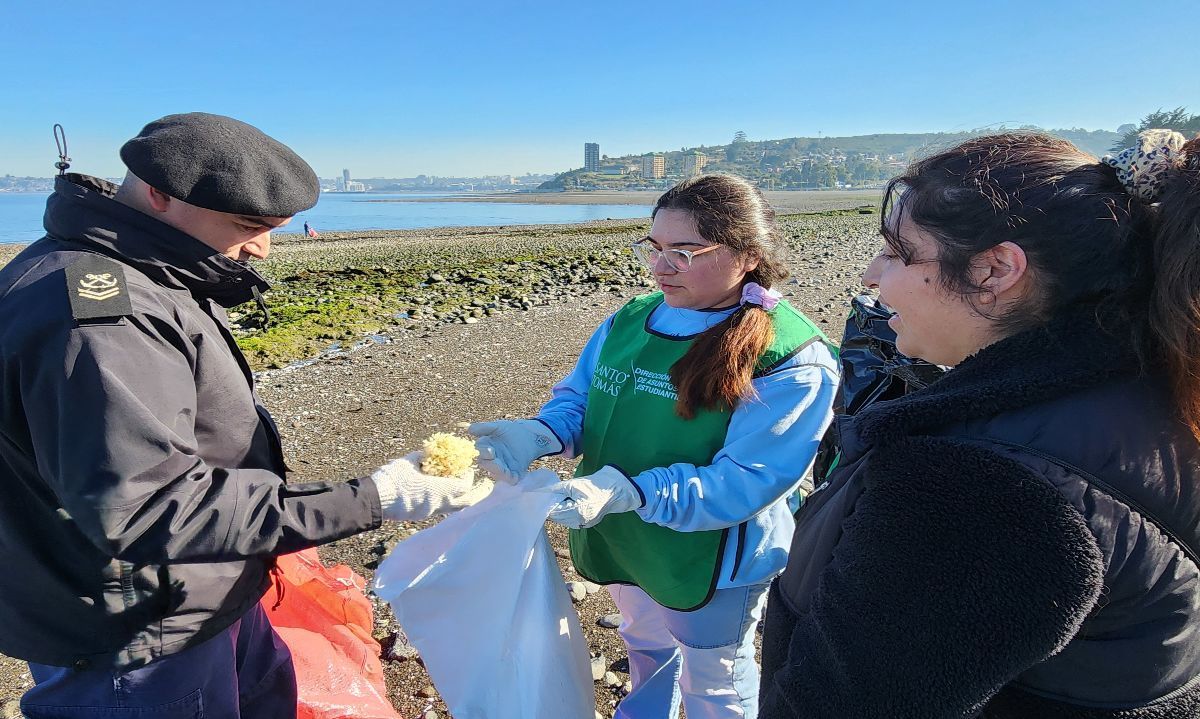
(1021, 538)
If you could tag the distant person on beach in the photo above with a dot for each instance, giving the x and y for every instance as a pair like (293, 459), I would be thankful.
(309, 231)
(697, 410)
(143, 482)
(1021, 537)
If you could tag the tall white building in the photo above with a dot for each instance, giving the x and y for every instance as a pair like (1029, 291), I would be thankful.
(591, 157)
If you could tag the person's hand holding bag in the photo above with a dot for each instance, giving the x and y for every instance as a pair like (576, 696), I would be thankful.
(508, 446)
(592, 497)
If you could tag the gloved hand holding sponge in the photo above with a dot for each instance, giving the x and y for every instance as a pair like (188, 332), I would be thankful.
(439, 479)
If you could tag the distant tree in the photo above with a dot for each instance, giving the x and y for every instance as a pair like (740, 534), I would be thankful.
(830, 176)
(1177, 119)
(737, 151)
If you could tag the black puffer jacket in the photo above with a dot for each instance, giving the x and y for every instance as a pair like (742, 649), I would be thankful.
(1019, 539)
(141, 482)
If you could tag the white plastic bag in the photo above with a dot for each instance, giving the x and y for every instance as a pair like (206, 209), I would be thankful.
(480, 595)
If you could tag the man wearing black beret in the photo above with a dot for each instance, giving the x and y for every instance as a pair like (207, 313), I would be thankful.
(143, 482)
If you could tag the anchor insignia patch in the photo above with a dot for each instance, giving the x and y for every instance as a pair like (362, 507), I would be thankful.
(97, 289)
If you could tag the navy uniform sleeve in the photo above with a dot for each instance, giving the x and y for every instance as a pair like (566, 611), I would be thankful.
(111, 403)
(958, 570)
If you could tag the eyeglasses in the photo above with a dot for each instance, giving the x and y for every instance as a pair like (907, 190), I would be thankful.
(678, 260)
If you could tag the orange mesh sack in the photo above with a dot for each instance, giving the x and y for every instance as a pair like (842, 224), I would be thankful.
(326, 621)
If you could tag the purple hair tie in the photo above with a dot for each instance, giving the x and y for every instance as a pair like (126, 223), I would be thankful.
(755, 294)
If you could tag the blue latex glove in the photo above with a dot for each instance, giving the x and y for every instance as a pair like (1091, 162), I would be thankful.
(508, 446)
(593, 497)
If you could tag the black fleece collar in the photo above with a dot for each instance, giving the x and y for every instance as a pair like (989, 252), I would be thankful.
(82, 210)
(1067, 355)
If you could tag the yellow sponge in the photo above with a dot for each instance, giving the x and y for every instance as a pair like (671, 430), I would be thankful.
(446, 455)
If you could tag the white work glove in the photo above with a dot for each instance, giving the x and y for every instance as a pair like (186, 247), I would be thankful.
(508, 446)
(592, 497)
(407, 494)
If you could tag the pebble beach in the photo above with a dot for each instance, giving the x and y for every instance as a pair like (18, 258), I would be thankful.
(380, 338)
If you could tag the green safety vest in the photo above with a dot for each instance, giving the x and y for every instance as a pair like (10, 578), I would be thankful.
(630, 423)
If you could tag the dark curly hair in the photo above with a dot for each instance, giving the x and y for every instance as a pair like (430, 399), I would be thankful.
(1089, 243)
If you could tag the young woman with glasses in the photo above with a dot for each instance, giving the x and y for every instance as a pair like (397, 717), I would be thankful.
(696, 411)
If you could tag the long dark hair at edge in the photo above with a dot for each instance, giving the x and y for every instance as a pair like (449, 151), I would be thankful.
(1089, 243)
(1175, 305)
(718, 368)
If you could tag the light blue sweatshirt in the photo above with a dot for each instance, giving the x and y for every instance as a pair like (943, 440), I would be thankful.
(769, 447)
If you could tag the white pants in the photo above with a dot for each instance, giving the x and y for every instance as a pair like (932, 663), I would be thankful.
(705, 657)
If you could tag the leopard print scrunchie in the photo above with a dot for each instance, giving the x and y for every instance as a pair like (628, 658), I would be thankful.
(1143, 167)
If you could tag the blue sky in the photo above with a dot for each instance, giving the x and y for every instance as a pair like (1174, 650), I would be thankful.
(402, 88)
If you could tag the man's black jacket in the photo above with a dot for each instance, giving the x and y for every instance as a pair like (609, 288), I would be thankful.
(141, 482)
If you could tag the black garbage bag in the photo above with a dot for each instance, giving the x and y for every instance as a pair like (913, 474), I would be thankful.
(872, 371)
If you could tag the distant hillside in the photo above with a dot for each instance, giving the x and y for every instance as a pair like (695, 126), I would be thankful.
(803, 162)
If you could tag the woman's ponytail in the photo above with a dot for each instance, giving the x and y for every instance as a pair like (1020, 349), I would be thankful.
(717, 370)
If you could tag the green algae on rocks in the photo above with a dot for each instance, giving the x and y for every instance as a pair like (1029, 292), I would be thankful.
(346, 286)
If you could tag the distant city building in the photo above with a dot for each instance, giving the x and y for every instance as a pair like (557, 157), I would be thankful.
(693, 163)
(613, 170)
(345, 184)
(591, 157)
(654, 167)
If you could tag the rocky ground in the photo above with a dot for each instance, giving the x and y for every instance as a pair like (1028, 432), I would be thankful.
(416, 332)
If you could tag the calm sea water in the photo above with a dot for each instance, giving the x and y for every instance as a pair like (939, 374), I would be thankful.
(21, 214)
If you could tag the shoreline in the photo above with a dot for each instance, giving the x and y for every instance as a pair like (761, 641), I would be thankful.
(347, 288)
(785, 202)
(790, 201)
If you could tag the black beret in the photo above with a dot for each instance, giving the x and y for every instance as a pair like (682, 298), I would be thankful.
(221, 164)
